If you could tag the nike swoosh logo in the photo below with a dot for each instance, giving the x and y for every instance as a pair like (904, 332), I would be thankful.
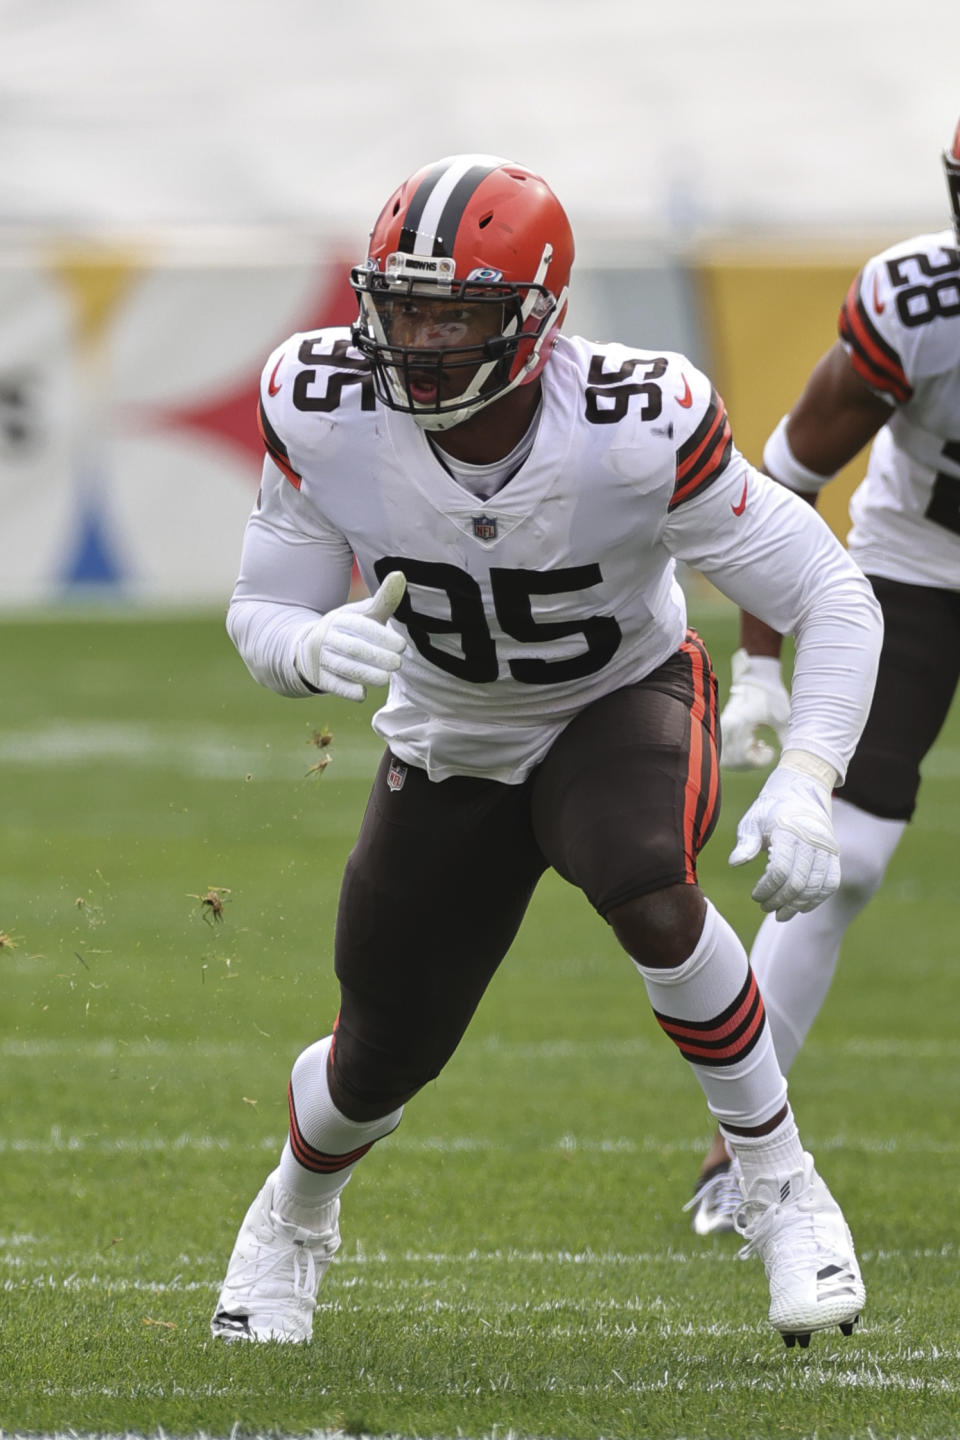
(686, 399)
(878, 304)
(272, 387)
(739, 509)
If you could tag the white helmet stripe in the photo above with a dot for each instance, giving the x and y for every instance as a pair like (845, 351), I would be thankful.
(432, 221)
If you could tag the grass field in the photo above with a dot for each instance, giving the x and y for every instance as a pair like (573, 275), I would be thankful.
(515, 1259)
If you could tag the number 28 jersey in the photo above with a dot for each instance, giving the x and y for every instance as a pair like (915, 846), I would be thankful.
(523, 608)
(900, 324)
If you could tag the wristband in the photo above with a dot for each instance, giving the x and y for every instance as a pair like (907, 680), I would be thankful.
(764, 669)
(806, 764)
(780, 462)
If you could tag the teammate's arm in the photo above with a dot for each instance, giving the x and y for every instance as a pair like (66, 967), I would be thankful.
(834, 418)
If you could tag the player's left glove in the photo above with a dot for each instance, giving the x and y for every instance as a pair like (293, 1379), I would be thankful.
(352, 646)
(791, 819)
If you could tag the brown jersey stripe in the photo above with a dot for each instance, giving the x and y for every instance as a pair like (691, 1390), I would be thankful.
(276, 448)
(705, 455)
(876, 362)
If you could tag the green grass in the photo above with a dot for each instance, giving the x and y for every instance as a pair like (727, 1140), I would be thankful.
(515, 1258)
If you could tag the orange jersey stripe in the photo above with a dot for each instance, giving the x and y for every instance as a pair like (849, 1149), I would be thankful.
(275, 447)
(702, 458)
(873, 359)
(700, 804)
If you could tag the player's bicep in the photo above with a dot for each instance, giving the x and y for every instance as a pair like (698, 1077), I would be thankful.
(290, 555)
(765, 549)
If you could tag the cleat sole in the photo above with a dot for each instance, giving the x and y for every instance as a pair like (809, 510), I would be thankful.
(802, 1338)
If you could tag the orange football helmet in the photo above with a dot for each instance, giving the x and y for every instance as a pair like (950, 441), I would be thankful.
(951, 167)
(461, 235)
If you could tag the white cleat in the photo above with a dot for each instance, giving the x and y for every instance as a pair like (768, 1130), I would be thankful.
(797, 1228)
(270, 1291)
(714, 1202)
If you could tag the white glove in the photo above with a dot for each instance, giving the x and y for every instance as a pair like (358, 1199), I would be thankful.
(353, 647)
(758, 698)
(791, 820)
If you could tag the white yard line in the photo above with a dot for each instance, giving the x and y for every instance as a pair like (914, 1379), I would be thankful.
(55, 1140)
(109, 1048)
(15, 1256)
(868, 1376)
(211, 753)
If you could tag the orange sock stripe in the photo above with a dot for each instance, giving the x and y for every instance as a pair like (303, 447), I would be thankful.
(316, 1160)
(721, 1026)
(726, 1038)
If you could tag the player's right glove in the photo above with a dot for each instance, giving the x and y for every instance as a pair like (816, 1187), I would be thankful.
(758, 699)
(353, 647)
(791, 819)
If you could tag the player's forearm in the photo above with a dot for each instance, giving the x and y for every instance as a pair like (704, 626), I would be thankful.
(782, 565)
(756, 636)
(266, 634)
(837, 651)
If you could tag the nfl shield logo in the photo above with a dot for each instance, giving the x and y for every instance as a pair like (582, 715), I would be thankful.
(485, 527)
(396, 774)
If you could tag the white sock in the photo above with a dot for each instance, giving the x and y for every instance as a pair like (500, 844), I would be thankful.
(774, 1156)
(795, 961)
(323, 1145)
(710, 1007)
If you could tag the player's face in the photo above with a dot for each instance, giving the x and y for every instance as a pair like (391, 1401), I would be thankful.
(433, 327)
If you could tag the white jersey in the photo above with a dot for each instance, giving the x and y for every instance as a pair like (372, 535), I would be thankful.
(900, 324)
(523, 608)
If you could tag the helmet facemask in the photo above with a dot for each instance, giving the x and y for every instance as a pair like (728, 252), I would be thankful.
(485, 328)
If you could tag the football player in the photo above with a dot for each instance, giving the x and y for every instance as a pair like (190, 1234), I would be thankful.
(892, 377)
(517, 502)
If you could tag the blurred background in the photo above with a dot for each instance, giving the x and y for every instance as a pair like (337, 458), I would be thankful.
(183, 185)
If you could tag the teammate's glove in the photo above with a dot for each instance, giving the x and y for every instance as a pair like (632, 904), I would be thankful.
(353, 647)
(758, 698)
(791, 820)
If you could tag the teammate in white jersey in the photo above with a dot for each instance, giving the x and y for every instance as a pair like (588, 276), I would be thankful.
(894, 374)
(516, 503)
